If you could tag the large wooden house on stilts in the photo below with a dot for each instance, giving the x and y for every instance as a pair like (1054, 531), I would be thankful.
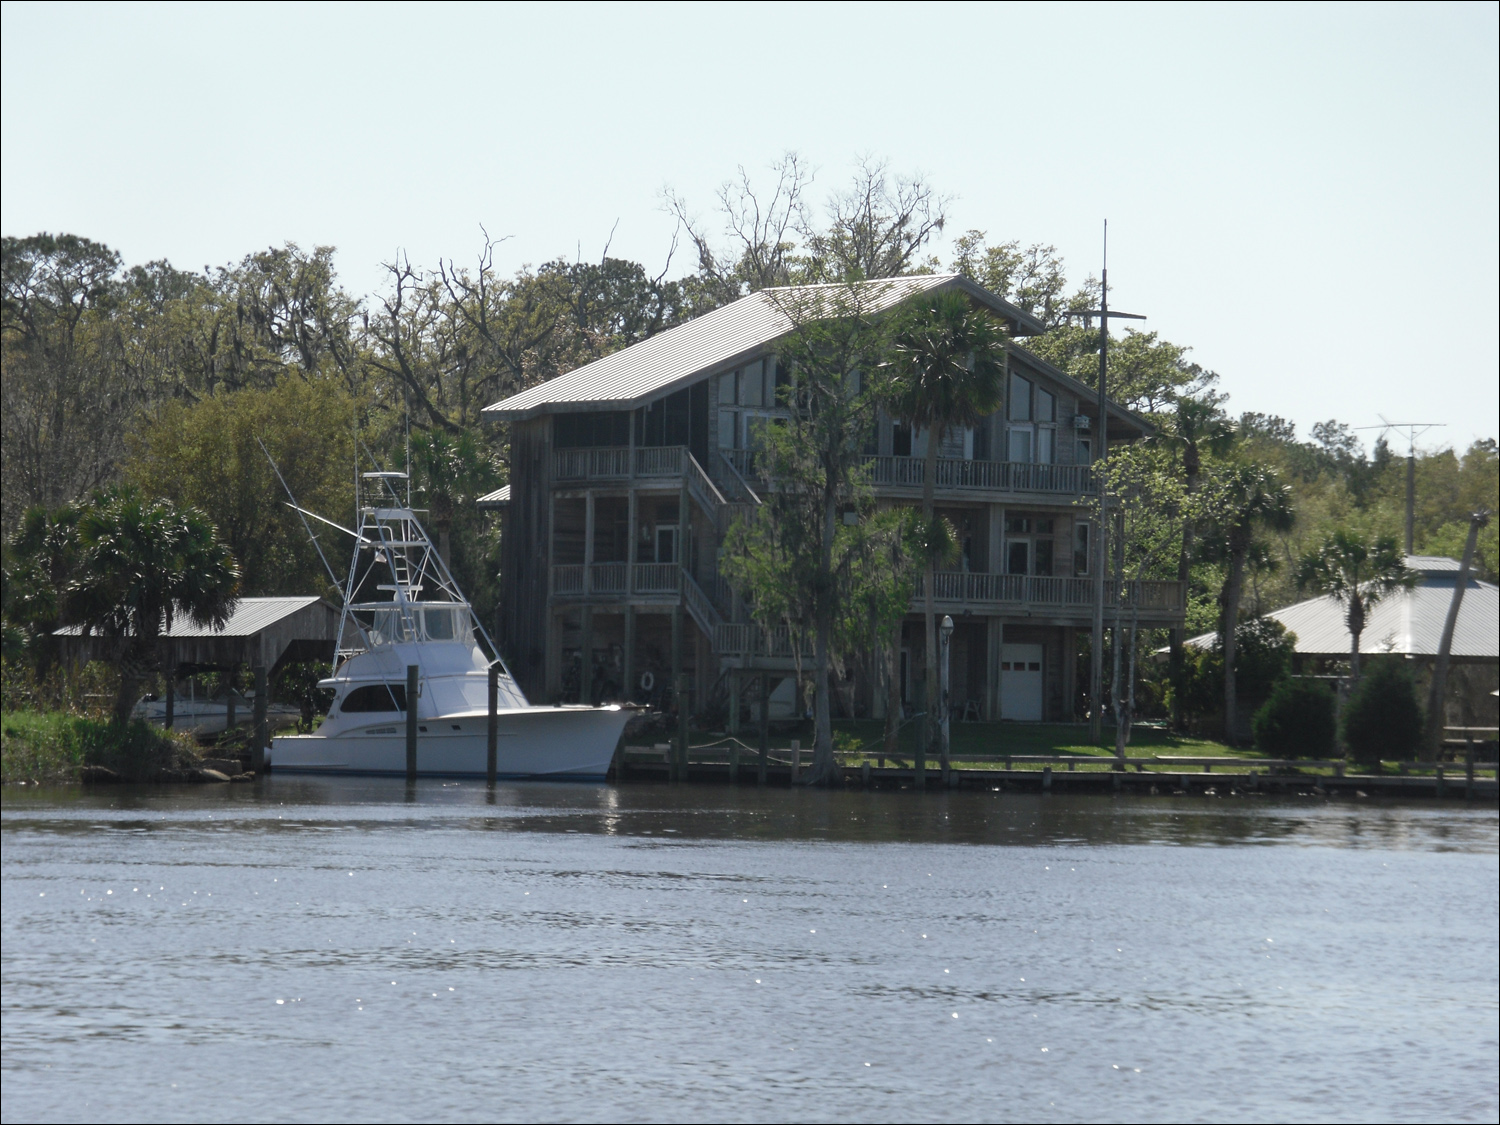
(626, 473)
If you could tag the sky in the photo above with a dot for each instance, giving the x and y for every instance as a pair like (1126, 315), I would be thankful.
(1305, 195)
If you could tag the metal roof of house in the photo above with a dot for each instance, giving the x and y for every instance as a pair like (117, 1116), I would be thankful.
(250, 616)
(718, 341)
(1409, 622)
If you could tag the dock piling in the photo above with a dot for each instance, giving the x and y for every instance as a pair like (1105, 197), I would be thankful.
(492, 735)
(262, 728)
(412, 684)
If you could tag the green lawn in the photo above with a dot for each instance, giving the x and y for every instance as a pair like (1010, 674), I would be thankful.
(996, 738)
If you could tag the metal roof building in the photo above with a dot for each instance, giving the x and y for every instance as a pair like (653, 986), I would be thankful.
(261, 632)
(720, 340)
(1409, 622)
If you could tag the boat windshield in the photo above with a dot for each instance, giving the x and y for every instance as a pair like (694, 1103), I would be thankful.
(436, 623)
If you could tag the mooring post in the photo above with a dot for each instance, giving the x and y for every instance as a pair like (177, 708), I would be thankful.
(680, 755)
(1046, 779)
(796, 759)
(412, 686)
(492, 735)
(765, 729)
(1440, 788)
(171, 698)
(1469, 770)
(229, 715)
(262, 727)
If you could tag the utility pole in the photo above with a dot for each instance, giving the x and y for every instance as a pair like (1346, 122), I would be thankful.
(1412, 430)
(1100, 451)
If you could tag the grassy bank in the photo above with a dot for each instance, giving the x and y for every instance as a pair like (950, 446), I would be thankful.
(55, 746)
(981, 738)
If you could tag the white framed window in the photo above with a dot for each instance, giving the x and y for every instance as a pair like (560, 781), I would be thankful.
(753, 384)
(1019, 407)
(729, 429)
(1018, 444)
(1083, 451)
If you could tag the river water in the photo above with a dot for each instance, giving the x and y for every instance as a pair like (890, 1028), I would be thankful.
(298, 950)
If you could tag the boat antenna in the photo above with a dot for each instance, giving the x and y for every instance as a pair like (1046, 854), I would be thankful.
(300, 514)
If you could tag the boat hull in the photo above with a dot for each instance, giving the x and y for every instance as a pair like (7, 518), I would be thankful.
(572, 743)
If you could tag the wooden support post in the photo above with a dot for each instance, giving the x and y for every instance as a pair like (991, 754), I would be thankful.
(586, 659)
(734, 763)
(734, 703)
(492, 732)
(864, 773)
(1440, 786)
(1469, 770)
(413, 685)
(796, 759)
(262, 727)
(171, 698)
(765, 728)
(627, 658)
(229, 715)
(679, 759)
(1046, 779)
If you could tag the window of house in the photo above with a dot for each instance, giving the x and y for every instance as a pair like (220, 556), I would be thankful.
(753, 384)
(728, 388)
(1017, 525)
(1080, 548)
(1044, 556)
(1083, 451)
(1020, 399)
(1018, 556)
(666, 542)
(900, 439)
(729, 429)
(1019, 443)
(1046, 406)
(1046, 444)
(1043, 525)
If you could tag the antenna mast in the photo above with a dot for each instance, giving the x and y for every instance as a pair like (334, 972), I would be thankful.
(1412, 430)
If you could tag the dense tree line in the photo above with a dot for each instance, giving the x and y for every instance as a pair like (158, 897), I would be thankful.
(170, 382)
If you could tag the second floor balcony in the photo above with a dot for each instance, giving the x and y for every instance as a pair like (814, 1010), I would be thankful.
(906, 475)
(891, 474)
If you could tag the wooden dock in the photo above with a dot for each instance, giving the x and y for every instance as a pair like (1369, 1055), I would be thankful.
(1071, 773)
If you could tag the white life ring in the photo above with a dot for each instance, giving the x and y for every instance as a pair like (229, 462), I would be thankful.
(648, 681)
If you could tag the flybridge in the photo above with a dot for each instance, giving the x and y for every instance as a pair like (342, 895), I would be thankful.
(399, 589)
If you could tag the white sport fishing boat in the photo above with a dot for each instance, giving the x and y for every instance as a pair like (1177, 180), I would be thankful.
(420, 618)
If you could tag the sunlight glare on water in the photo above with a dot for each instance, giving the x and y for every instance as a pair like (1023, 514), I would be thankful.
(348, 950)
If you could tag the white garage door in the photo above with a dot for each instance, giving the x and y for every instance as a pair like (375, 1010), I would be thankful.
(1021, 682)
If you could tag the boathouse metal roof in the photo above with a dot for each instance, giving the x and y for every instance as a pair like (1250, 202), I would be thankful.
(494, 501)
(1409, 622)
(721, 340)
(259, 631)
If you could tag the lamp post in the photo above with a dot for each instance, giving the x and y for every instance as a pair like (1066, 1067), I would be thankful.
(946, 629)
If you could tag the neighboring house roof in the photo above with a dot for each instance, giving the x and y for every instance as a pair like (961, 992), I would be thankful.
(250, 616)
(717, 341)
(1409, 622)
(493, 501)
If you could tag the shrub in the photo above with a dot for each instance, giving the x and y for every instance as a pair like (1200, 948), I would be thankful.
(1383, 718)
(1298, 721)
(55, 746)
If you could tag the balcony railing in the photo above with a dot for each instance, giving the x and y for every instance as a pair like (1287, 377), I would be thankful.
(615, 579)
(617, 463)
(985, 476)
(1028, 590)
(952, 473)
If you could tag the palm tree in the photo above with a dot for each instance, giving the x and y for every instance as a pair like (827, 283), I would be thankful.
(1250, 498)
(1358, 575)
(452, 470)
(1196, 426)
(142, 563)
(948, 360)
